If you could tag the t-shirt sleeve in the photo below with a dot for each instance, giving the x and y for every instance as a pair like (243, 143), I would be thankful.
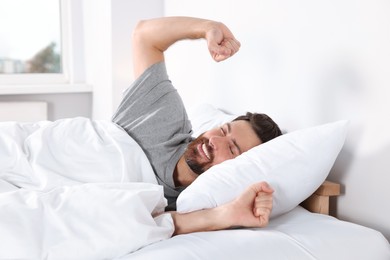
(151, 110)
(141, 95)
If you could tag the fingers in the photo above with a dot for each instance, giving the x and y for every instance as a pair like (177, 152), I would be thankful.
(232, 44)
(262, 187)
(263, 202)
(224, 50)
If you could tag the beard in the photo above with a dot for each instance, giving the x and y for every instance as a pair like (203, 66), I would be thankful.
(194, 159)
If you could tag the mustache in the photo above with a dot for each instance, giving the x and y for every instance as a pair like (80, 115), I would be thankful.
(194, 158)
(202, 140)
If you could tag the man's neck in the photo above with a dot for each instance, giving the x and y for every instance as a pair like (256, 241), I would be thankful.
(183, 175)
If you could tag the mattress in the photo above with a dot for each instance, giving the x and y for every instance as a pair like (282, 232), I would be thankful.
(298, 234)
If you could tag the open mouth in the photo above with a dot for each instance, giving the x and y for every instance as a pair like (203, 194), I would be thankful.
(203, 149)
(206, 152)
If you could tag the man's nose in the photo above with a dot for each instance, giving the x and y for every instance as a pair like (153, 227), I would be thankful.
(217, 141)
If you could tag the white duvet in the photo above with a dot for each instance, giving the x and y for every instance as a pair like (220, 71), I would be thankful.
(76, 189)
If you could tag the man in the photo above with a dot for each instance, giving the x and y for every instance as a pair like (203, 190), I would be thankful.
(153, 114)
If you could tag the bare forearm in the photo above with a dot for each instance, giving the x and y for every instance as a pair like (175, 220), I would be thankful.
(163, 32)
(152, 37)
(203, 220)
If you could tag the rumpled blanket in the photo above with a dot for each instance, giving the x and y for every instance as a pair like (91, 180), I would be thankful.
(76, 189)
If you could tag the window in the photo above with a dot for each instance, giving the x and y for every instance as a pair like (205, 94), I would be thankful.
(41, 45)
(30, 36)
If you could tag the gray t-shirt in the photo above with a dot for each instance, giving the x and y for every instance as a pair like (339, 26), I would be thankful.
(153, 114)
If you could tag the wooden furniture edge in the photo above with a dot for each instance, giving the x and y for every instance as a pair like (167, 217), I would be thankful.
(318, 202)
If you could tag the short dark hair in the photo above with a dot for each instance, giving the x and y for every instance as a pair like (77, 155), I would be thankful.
(265, 128)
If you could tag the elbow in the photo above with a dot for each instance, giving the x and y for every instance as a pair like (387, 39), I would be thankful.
(139, 30)
(143, 34)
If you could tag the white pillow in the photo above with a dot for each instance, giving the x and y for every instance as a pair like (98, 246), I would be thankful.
(294, 164)
(205, 117)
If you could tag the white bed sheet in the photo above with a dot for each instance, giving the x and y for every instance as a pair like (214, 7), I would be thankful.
(298, 234)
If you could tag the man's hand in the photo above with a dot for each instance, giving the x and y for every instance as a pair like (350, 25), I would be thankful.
(253, 207)
(221, 42)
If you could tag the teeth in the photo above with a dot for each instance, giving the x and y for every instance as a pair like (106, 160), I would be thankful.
(204, 147)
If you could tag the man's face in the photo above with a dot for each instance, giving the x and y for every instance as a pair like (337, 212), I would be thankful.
(220, 144)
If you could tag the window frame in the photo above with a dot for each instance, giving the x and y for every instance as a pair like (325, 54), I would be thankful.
(71, 37)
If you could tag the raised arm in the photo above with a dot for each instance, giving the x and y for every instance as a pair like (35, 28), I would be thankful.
(152, 37)
(251, 209)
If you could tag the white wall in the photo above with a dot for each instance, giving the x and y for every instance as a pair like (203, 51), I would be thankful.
(305, 63)
(107, 27)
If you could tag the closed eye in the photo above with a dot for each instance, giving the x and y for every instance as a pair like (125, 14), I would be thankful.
(229, 129)
(231, 148)
(223, 131)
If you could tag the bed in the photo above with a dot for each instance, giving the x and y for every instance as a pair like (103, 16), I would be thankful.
(55, 207)
(304, 231)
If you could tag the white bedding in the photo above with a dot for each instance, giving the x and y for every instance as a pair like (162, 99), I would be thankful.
(60, 201)
(45, 155)
(299, 235)
(46, 210)
(90, 221)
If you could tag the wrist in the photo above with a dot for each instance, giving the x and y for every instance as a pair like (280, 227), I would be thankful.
(203, 220)
(225, 216)
(202, 28)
